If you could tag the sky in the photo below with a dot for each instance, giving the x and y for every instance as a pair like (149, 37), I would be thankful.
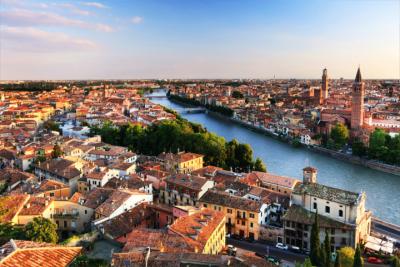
(201, 39)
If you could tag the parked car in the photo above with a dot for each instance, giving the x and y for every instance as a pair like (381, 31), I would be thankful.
(232, 250)
(273, 260)
(281, 246)
(375, 260)
(295, 249)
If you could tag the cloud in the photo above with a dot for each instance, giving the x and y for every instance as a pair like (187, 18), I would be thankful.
(23, 17)
(94, 4)
(29, 39)
(74, 9)
(137, 20)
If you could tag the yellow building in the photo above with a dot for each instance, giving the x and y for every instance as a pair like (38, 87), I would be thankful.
(205, 230)
(243, 216)
(182, 162)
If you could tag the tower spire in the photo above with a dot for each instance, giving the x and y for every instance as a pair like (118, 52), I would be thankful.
(358, 75)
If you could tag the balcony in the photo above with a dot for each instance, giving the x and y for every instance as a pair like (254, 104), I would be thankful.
(65, 215)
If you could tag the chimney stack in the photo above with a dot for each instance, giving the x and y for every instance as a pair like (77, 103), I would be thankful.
(309, 175)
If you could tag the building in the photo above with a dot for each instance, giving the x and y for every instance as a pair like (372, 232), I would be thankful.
(35, 254)
(342, 213)
(281, 184)
(323, 95)
(182, 162)
(357, 102)
(184, 189)
(206, 227)
(243, 216)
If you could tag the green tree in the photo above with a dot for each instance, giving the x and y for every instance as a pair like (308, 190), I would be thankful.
(323, 257)
(237, 94)
(259, 165)
(9, 231)
(346, 255)
(307, 263)
(377, 144)
(359, 149)
(357, 258)
(327, 249)
(315, 253)
(337, 260)
(57, 152)
(395, 262)
(339, 135)
(41, 230)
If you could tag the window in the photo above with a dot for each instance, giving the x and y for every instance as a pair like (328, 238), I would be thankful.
(52, 194)
(205, 205)
(251, 215)
(340, 213)
(327, 209)
(315, 205)
(85, 211)
(229, 211)
(251, 225)
(332, 231)
(65, 224)
(243, 223)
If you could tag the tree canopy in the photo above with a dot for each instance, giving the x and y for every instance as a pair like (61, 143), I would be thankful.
(346, 255)
(41, 230)
(339, 135)
(180, 134)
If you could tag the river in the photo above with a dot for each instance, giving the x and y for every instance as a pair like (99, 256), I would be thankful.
(383, 190)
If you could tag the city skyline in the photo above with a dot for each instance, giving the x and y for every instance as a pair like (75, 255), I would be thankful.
(198, 39)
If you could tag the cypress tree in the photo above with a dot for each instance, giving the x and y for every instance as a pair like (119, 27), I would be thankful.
(327, 248)
(323, 257)
(357, 258)
(315, 254)
(337, 260)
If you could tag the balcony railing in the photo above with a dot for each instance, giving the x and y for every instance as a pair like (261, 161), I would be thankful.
(65, 215)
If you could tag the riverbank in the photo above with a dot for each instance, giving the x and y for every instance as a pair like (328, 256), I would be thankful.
(372, 164)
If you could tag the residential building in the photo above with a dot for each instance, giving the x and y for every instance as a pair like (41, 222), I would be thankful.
(243, 216)
(184, 189)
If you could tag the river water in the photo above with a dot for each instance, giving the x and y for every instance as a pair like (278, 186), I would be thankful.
(383, 190)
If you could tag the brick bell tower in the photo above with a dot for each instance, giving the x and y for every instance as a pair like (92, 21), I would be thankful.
(357, 102)
(324, 87)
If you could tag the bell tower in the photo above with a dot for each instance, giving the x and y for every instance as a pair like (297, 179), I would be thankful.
(324, 87)
(357, 102)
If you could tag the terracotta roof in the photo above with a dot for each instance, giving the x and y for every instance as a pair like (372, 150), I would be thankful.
(198, 226)
(187, 180)
(269, 178)
(10, 206)
(127, 221)
(33, 254)
(61, 167)
(94, 198)
(114, 201)
(327, 193)
(35, 206)
(226, 200)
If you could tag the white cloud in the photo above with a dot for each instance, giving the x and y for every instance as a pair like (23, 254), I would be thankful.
(137, 20)
(94, 4)
(29, 39)
(74, 9)
(23, 17)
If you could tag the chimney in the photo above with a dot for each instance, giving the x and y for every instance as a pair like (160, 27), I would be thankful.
(309, 175)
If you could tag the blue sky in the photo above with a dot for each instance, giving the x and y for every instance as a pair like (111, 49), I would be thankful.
(198, 39)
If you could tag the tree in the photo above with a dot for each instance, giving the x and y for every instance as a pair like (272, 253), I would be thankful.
(339, 135)
(327, 249)
(359, 149)
(9, 231)
(346, 256)
(323, 257)
(41, 230)
(259, 165)
(337, 260)
(57, 152)
(395, 262)
(237, 94)
(377, 144)
(315, 254)
(307, 263)
(357, 258)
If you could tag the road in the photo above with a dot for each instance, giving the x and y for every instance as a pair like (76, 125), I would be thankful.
(262, 249)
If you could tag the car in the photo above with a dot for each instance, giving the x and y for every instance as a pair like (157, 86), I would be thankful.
(295, 249)
(231, 250)
(273, 260)
(281, 246)
(374, 260)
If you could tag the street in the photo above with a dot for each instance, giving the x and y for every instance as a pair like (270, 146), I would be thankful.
(263, 249)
